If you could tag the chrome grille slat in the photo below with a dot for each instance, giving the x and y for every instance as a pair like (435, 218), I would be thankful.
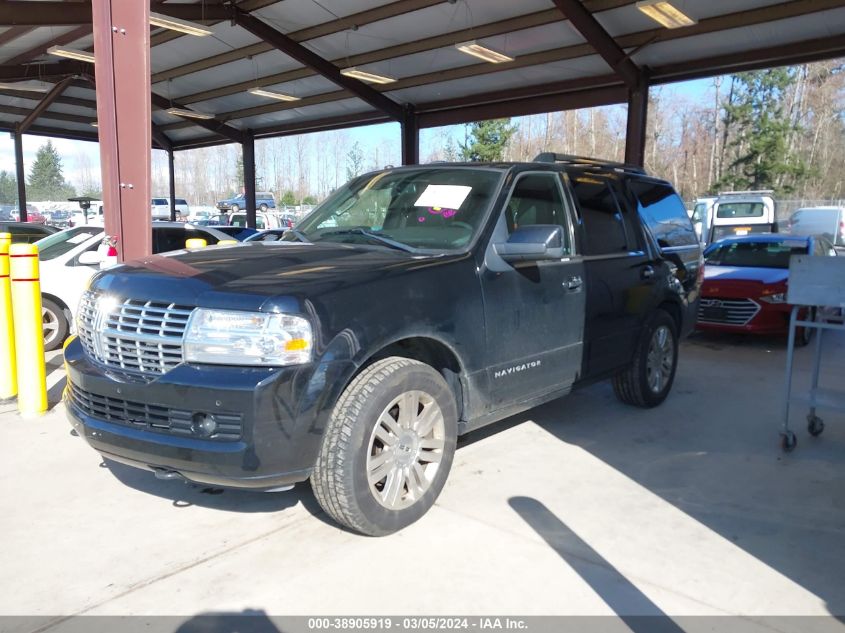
(136, 336)
(738, 312)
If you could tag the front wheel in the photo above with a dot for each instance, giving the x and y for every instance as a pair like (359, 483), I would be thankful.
(388, 447)
(235, 208)
(262, 207)
(647, 382)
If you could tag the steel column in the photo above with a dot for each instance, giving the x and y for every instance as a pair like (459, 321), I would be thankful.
(171, 174)
(122, 48)
(410, 138)
(635, 133)
(248, 155)
(20, 174)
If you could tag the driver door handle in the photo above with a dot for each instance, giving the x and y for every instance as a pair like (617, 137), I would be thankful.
(573, 283)
(647, 272)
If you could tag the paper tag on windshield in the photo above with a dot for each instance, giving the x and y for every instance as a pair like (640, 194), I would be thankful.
(80, 237)
(443, 196)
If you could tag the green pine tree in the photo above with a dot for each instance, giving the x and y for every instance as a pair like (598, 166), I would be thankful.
(46, 181)
(8, 188)
(756, 112)
(486, 140)
(288, 198)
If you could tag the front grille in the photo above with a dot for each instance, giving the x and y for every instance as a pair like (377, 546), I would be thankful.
(727, 311)
(153, 417)
(135, 336)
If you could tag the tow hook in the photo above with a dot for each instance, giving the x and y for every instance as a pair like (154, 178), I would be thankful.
(167, 475)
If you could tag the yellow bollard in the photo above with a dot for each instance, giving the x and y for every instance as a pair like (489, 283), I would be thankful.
(227, 242)
(29, 331)
(195, 242)
(8, 369)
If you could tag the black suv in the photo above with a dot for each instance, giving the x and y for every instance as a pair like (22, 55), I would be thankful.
(414, 305)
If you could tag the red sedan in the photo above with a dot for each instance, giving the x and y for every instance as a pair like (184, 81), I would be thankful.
(745, 283)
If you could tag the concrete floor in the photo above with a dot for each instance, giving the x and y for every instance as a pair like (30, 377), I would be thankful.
(582, 506)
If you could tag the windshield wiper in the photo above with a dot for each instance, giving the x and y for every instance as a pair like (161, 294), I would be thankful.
(373, 236)
(299, 235)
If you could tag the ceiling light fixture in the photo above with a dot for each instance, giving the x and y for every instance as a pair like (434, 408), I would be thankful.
(261, 92)
(191, 114)
(71, 53)
(363, 75)
(482, 52)
(175, 24)
(26, 86)
(662, 12)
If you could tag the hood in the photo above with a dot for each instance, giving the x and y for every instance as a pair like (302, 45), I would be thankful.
(763, 276)
(245, 276)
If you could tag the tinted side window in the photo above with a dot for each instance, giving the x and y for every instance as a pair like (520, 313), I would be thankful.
(536, 199)
(664, 213)
(604, 229)
(170, 239)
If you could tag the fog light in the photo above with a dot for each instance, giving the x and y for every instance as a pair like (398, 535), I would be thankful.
(203, 425)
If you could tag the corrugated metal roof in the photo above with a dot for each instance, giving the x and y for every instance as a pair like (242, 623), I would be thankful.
(413, 42)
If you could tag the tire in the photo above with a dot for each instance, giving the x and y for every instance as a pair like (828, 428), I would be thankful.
(639, 384)
(803, 335)
(262, 207)
(234, 208)
(55, 325)
(367, 421)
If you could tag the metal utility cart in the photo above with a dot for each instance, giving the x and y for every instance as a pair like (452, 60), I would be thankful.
(817, 285)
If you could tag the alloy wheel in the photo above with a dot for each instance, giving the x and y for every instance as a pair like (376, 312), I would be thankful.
(661, 358)
(405, 450)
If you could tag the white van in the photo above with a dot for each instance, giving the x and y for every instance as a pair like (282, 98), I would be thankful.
(161, 209)
(702, 216)
(828, 222)
(737, 213)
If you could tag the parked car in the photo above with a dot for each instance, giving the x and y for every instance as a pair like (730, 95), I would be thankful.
(262, 220)
(745, 283)
(414, 305)
(59, 218)
(263, 200)
(69, 259)
(826, 222)
(161, 209)
(738, 213)
(6, 212)
(26, 231)
(267, 235)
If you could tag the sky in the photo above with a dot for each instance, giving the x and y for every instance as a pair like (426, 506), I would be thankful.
(75, 154)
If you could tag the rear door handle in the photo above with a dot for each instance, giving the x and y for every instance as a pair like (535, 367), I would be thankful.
(573, 283)
(647, 272)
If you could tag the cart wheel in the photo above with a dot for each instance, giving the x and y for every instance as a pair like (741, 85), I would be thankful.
(788, 441)
(815, 425)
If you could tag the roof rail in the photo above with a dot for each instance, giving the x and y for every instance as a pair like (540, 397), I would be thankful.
(554, 157)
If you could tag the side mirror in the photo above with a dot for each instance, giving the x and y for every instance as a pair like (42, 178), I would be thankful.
(532, 243)
(89, 258)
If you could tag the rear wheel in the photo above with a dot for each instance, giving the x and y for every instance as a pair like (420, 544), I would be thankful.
(262, 207)
(54, 325)
(648, 380)
(235, 208)
(388, 447)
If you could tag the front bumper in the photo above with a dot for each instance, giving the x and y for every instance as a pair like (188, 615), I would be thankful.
(273, 418)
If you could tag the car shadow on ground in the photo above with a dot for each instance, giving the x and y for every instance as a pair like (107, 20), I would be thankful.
(712, 451)
(184, 494)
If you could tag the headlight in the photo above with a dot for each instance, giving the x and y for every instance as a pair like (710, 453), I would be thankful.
(779, 297)
(227, 337)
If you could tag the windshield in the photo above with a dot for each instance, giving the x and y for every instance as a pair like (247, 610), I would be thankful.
(427, 209)
(740, 210)
(62, 242)
(755, 254)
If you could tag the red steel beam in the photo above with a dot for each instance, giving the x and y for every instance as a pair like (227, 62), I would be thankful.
(124, 114)
(45, 103)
